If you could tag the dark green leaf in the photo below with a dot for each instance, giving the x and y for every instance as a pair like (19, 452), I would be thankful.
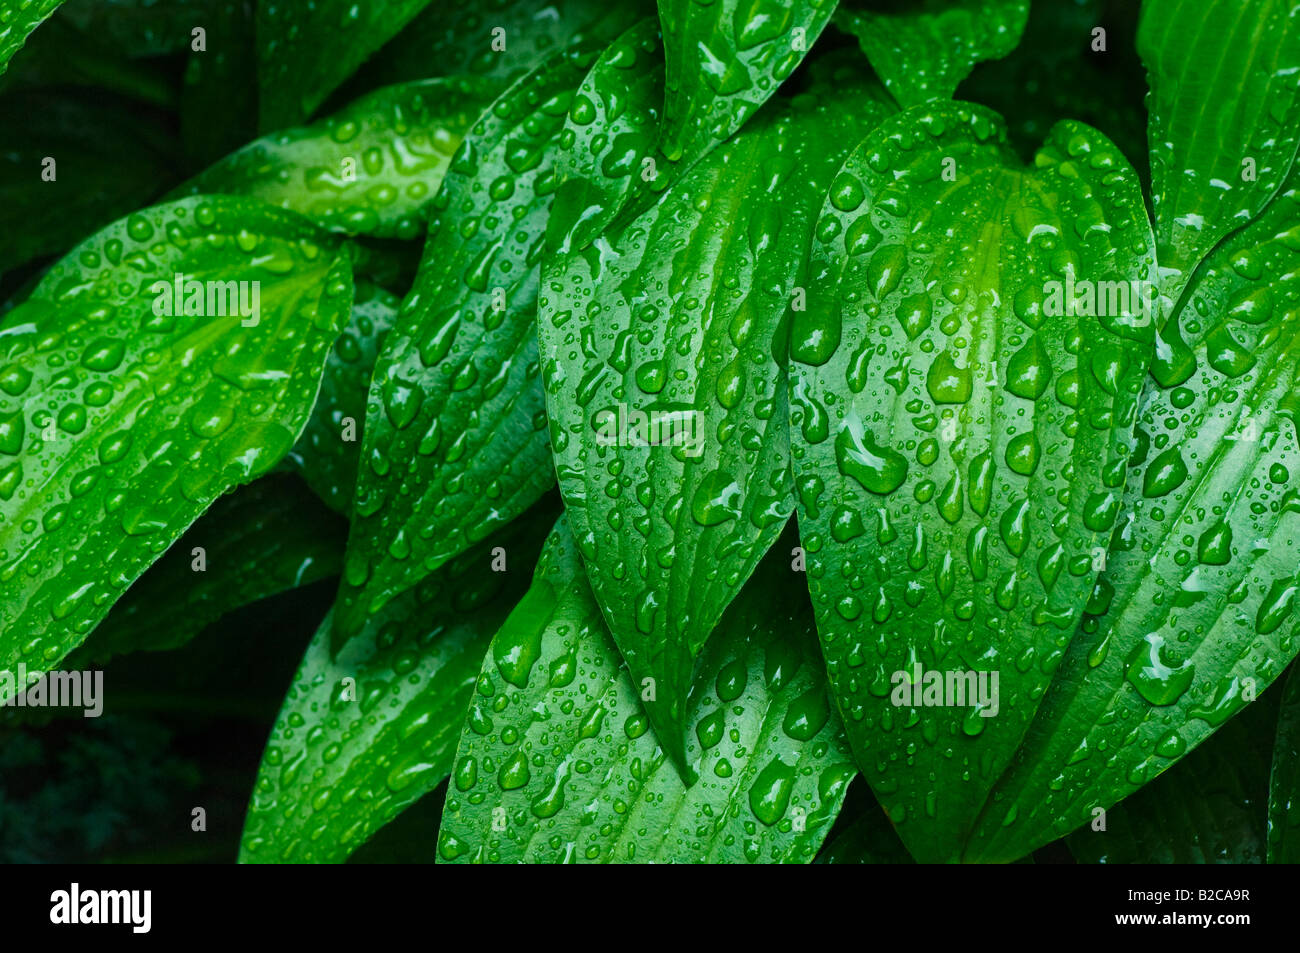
(370, 168)
(922, 51)
(306, 50)
(1207, 809)
(364, 735)
(1193, 616)
(329, 449)
(1284, 780)
(960, 438)
(557, 762)
(455, 438)
(219, 98)
(107, 161)
(120, 423)
(725, 58)
(694, 342)
(262, 539)
(870, 839)
(141, 27)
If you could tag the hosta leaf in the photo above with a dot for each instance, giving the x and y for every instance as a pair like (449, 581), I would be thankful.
(328, 451)
(108, 160)
(1284, 779)
(262, 539)
(306, 50)
(362, 736)
(18, 18)
(121, 423)
(497, 39)
(1208, 809)
(1225, 120)
(1193, 615)
(726, 58)
(692, 340)
(219, 98)
(922, 51)
(557, 763)
(455, 438)
(959, 439)
(370, 168)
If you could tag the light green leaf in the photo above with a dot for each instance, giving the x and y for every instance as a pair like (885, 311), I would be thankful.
(672, 521)
(960, 440)
(328, 452)
(1224, 121)
(306, 50)
(1208, 809)
(557, 763)
(370, 168)
(922, 51)
(455, 438)
(265, 538)
(725, 59)
(108, 160)
(1194, 613)
(363, 736)
(18, 18)
(120, 423)
(1284, 779)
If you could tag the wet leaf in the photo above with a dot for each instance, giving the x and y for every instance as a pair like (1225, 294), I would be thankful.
(121, 420)
(963, 390)
(557, 762)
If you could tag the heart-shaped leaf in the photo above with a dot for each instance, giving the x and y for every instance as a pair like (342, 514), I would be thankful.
(964, 387)
(173, 355)
(557, 762)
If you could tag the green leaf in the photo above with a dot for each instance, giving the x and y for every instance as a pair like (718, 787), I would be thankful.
(1284, 779)
(671, 526)
(500, 39)
(18, 21)
(329, 450)
(1208, 809)
(141, 27)
(455, 437)
(219, 96)
(870, 839)
(262, 539)
(121, 423)
(370, 168)
(1194, 613)
(364, 735)
(960, 440)
(1224, 120)
(725, 59)
(108, 160)
(922, 51)
(306, 50)
(557, 763)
